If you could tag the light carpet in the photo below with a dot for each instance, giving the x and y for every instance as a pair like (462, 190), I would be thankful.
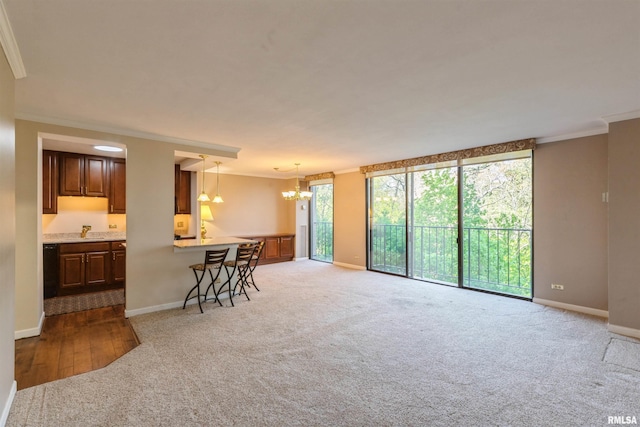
(322, 345)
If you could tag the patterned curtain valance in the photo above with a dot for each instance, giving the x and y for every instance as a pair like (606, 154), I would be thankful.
(319, 176)
(487, 150)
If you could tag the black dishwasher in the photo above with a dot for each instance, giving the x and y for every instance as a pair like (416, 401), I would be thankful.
(50, 269)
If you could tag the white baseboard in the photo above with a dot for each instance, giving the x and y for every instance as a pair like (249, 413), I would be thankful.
(304, 258)
(167, 306)
(351, 266)
(623, 330)
(8, 403)
(33, 332)
(572, 307)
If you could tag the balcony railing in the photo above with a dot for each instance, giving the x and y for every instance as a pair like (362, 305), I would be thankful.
(322, 241)
(496, 259)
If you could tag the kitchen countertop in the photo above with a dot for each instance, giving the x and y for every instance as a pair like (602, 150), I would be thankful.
(207, 243)
(95, 236)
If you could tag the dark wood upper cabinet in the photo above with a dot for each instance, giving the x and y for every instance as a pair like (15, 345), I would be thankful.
(182, 191)
(83, 175)
(96, 171)
(71, 171)
(117, 186)
(49, 182)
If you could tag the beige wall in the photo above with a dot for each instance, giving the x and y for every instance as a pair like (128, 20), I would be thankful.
(349, 219)
(93, 211)
(624, 224)
(7, 231)
(570, 221)
(251, 205)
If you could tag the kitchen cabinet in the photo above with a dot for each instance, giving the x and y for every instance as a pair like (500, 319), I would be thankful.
(90, 267)
(49, 182)
(182, 191)
(83, 175)
(84, 267)
(277, 247)
(117, 186)
(118, 263)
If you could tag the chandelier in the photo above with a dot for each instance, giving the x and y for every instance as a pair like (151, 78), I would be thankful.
(297, 194)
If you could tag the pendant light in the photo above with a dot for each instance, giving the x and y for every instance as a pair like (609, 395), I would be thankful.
(218, 198)
(203, 197)
(297, 194)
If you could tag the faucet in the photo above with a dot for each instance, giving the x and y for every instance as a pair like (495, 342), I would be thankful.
(85, 228)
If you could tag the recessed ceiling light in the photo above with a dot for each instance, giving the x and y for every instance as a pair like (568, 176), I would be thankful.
(107, 148)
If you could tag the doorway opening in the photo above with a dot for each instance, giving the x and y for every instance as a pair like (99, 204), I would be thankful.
(322, 222)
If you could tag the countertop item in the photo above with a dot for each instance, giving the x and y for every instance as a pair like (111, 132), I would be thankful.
(208, 243)
(95, 236)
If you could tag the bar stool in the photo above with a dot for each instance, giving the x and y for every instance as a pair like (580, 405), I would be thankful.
(213, 260)
(240, 266)
(254, 263)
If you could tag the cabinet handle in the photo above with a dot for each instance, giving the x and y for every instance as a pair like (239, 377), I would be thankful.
(111, 208)
(114, 256)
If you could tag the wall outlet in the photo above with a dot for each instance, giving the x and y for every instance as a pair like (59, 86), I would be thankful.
(113, 225)
(180, 224)
(558, 287)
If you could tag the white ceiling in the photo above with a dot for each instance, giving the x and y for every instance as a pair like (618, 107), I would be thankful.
(332, 85)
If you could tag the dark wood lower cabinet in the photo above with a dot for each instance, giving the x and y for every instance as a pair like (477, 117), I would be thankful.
(90, 267)
(277, 247)
(118, 263)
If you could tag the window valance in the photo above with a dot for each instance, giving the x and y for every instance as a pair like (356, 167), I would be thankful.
(453, 157)
(320, 176)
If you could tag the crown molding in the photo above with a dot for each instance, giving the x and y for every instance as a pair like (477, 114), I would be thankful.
(10, 46)
(630, 115)
(233, 151)
(590, 132)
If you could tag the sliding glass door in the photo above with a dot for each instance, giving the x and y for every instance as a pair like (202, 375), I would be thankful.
(497, 232)
(388, 223)
(467, 226)
(322, 222)
(434, 225)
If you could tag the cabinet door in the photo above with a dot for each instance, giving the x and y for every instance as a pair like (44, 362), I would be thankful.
(182, 191)
(271, 247)
(72, 271)
(49, 182)
(286, 247)
(97, 268)
(118, 263)
(95, 176)
(117, 184)
(71, 174)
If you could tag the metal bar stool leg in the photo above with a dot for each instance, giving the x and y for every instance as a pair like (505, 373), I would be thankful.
(197, 286)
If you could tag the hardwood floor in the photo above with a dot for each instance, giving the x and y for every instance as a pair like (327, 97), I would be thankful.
(73, 343)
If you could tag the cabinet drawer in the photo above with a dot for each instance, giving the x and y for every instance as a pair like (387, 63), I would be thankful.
(68, 248)
(120, 245)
